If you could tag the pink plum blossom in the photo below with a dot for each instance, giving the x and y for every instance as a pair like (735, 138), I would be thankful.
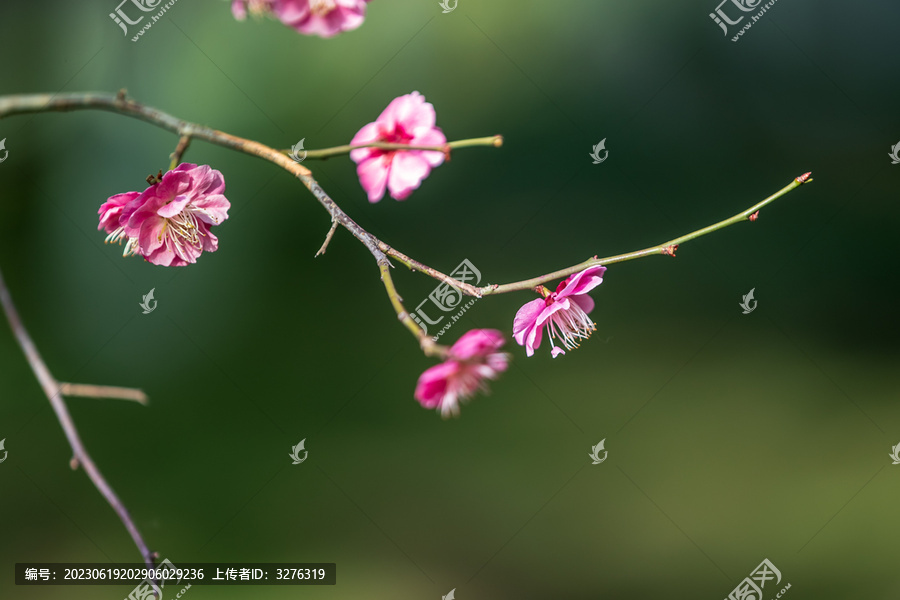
(473, 358)
(407, 120)
(169, 222)
(324, 18)
(564, 313)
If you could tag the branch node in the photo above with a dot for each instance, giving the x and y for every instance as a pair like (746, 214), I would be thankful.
(754, 216)
(804, 178)
(670, 250)
(73, 463)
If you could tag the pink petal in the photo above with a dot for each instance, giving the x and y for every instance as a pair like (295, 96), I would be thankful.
(407, 172)
(477, 343)
(526, 318)
(585, 302)
(151, 237)
(373, 176)
(584, 281)
(239, 9)
(432, 137)
(213, 209)
(174, 207)
(410, 112)
(432, 384)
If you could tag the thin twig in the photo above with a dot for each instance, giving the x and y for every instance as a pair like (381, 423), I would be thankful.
(429, 346)
(334, 226)
(666, 248)
(53, 391)
(102, 391)
(183, 142)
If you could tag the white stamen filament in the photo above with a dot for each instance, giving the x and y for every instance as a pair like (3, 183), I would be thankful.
(570, 325)
(181, 230)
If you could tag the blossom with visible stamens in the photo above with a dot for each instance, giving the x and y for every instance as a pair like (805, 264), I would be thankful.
(169, 222)
(472, 359)
(564, 313)
(324, 18)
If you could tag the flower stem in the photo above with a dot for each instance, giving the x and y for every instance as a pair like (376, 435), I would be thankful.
(494, 140)
(180, 149)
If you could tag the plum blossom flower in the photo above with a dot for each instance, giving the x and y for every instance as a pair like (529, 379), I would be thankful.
(472, 359)
(564, 313)
(169, 222)
(325, 18)
(406, 120)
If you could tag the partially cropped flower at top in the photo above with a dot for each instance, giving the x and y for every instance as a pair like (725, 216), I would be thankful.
(472, 359)
(169, 222)
(564, 313)
(407, 120)
(324, 18)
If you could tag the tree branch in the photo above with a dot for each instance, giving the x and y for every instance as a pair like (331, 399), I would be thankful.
(23, 104)
(54, 391)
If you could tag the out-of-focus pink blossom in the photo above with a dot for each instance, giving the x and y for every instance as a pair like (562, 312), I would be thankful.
(407, 120)
(325, 18)
(564, 313)
(474, 358)
(169, 222)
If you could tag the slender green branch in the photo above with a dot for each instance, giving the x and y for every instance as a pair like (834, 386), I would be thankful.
(494, 140)
(666, 248)
(180, 149)
(429, 346)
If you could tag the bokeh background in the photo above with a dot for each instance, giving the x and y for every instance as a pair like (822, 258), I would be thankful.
(732, 438)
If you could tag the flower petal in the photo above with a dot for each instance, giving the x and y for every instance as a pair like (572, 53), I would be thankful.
(373, 176)
(408, 169)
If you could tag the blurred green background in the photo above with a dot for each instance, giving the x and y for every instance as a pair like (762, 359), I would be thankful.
(732, 438)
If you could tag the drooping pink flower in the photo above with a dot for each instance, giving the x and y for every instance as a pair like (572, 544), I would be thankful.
(324, 18)
(472, 359)
(564, 313)
(406, 120)
(169, 222)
